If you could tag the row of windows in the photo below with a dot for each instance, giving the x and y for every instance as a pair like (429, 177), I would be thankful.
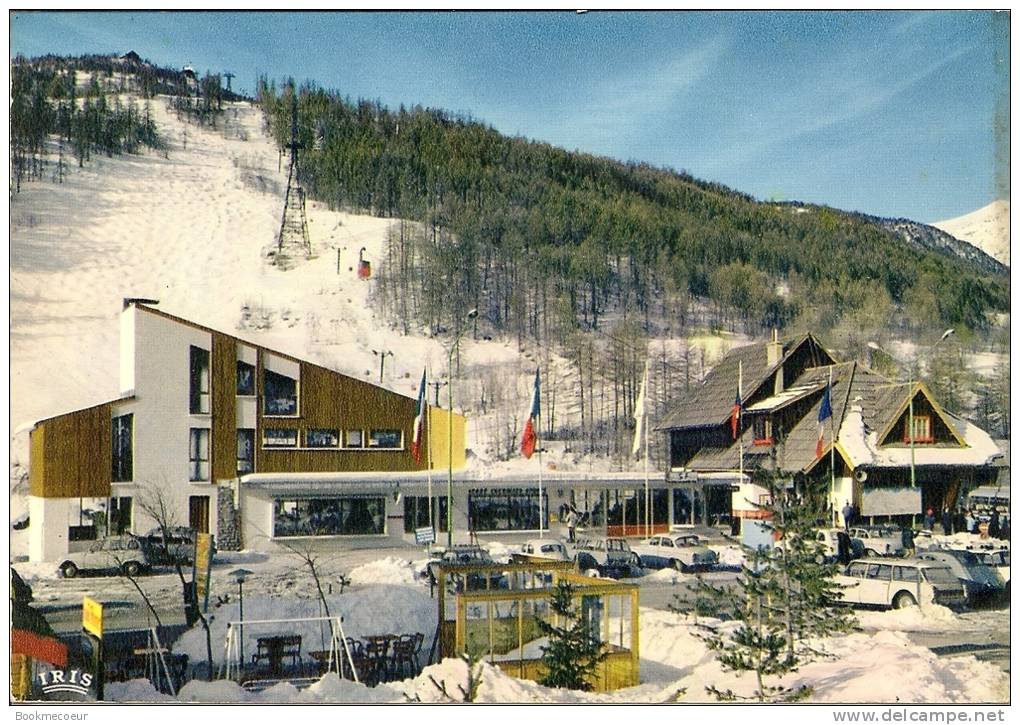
(281, 391)
(384, 438)
(198, 445)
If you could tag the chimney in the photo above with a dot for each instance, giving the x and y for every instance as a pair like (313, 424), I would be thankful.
(774, 353)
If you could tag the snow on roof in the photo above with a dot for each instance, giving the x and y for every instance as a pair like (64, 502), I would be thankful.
(787, 396)
(862, 447)
(268, 480)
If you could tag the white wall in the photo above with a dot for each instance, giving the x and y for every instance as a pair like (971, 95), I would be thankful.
(47, 531)
(162, 421)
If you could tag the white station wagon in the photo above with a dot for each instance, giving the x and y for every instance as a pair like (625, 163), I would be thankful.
(898, 584)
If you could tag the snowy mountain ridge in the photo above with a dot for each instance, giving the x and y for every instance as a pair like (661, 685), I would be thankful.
(986, 228)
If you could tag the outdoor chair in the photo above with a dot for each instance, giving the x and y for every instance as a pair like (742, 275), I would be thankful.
(403, 655)
(377, 656)
(360, 660)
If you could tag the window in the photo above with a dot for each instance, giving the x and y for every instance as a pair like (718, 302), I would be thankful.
(341, 516)
(322, 438)
(281, 394)
(120, 515)
(879, 571)
(199, 455)
(279, 438)
(386, 439)
(905, 573)
(123, 437)
(762, 430)
(355, 439)
(245, 378)
(86, 519)
(510, 509)
(858, 569)
(199, 396)
(245, 450)
(922, 429)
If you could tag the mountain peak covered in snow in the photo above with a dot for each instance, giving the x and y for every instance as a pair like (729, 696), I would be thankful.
(987, 229)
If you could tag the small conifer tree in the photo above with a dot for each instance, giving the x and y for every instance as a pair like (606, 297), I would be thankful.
(574, 650)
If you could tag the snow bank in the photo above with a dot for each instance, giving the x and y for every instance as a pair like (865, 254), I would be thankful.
(929, 618)
(391, 570)
(729, 555)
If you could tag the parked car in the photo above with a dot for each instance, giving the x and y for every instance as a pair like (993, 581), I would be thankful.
(610, 557)
(683, 552)
(828, 540)
(980, 580)
(178, 549)
(463, 555)
(898, 584)
(552, 549)
(123, 554)
(882, 540)
(998, 560)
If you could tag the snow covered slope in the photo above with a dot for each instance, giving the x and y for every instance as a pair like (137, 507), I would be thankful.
(193, 231)
(987, 229)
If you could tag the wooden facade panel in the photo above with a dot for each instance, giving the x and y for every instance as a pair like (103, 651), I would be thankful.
(224, 409)
(73, 454)
(334, 401)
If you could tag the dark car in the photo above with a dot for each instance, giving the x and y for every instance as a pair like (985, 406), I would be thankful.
(464, 556)
(179, 547)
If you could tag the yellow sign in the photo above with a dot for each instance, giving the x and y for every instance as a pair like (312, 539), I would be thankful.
(92, 616)
(203, 564)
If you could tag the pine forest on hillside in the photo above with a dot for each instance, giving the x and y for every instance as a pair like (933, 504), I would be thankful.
(591, 266)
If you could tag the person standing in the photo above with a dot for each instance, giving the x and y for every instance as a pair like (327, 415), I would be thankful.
(907, 539)
(571, 521)
(969, 522)
(993, 525)
(947, 521)
(929, 519)
(848, 515)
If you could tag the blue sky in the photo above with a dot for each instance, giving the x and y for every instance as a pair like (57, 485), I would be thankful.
(890, 113)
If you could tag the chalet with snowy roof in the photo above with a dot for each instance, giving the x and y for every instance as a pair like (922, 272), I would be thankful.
(201, 413)
(867, 449)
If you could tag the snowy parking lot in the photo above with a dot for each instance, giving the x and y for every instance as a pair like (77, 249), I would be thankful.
(928, 654)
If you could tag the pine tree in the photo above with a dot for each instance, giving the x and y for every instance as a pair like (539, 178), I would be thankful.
(758, 644)
(574, 650)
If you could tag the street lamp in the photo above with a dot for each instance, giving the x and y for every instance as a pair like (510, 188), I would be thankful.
(472, 314)
(239, 576)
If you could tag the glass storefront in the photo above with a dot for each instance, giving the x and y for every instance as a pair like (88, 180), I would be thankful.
(338, 516)
(506, 509)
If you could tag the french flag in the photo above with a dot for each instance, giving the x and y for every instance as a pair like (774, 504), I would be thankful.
(824, 414)
(530, 437)
(419, 421)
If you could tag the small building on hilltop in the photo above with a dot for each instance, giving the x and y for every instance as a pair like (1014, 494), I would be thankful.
(887, 447)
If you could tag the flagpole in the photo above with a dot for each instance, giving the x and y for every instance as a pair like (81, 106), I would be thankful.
(832, 453)
(538, 442)
(740, 415)
(428, 433)
(644, 424)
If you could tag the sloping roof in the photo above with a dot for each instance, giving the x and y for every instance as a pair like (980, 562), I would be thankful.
(797, 450)
(710, 403)
(864, 404)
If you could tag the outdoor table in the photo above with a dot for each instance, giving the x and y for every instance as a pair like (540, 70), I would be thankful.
(274, 648)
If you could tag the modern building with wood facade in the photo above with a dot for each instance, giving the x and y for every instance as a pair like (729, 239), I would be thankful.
(201, 411)
(868, 453)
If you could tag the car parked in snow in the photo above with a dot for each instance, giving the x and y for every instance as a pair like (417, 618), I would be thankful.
(550, 549)
(179, 547)
(463, 556)
(981, 581)
(898, 584)
(881, 540)
(609, 557)
(121, 554)
(683, 552)
(828, 540)
(998, 560)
